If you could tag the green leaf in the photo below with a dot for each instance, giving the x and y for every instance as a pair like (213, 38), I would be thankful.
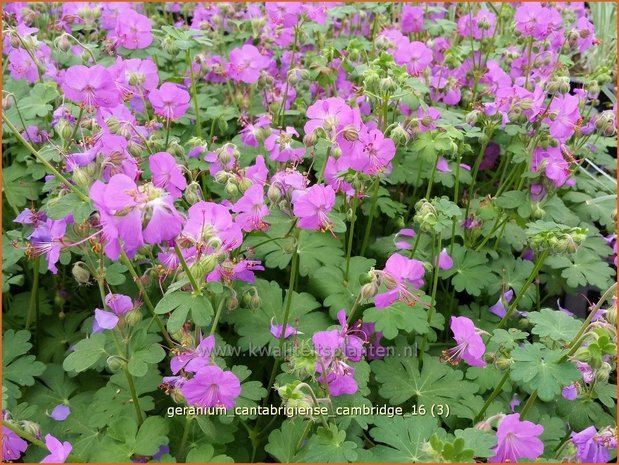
(180, 304)
(399, 316)
(283, 441)
(481, 442)
(151, 435)
(329, 283)
(60, 207)
(554, 324)
(329, 446)
(400, 439)
(37, 103)
(583, 268)
(18, 369)
(206, 454)
(316, 250)
(254, 326)
(535, 367)
(511, 199)
(114, 274)
(470, 271)
(144, 352)
(86, 353)
(400, 380)
(251, 391)
(18, 186)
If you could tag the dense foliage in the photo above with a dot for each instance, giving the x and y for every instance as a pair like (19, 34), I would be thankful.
(309, 232)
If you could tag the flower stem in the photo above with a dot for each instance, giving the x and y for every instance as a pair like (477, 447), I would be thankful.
(368, 226)
(217, 316)
(293, 278)
(183, 445)
(528, 404)
(149, 304)
(30, 438)
(351, 236)
(532, 276)
(324, 166)
(47, 164)
(34, 293)
(167, 135)
(435, 248)
(574, 345)
(77, 124)
(194, 94)
(196, 288)
(492, 396)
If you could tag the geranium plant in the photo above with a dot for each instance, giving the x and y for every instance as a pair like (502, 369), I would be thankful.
(299, 232)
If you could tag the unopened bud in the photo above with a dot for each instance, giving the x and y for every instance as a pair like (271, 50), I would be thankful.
(63, 43)
(80, 273)
(115, 363)
(31, 428)
(133, 317)
(193, 193)
(309, 140)
(350, 133)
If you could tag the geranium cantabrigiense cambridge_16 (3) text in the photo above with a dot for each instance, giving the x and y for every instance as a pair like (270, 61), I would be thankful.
(309, 232)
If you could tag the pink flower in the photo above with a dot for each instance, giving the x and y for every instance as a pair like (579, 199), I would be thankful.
(193, 360)
(555, 167)
(412, 19)
(133, 30)
(279, 144)
(276, 331)
(516, 440)
(415, 55)
(327, 114)
(372, 153)
(246, 63)
(400, 273)
(470, 346)
(169, 101)
(60, 412)
(564, 116)
(48, 239)
(534, 20)
(12, 445)
(312, 206)
(167, 174)
(92, 86)
(251, 209)
(21, 66)
(208, 223)
(212, 387)
(59, 450)
(445, 262)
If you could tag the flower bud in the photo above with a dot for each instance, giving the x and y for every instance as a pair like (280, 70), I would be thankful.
(232, 303)
(245, 184)
(7, 102)
(232, 188)
(133, 317)
(193, 193)
(336, 152)
(350, 133)
(309, 140)
(472, 117)
(274, 194)
(369, 290)
(31, 427)
(81, 274)
(63, 43)
(399, 134)
(603, 372)
(115, 363)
